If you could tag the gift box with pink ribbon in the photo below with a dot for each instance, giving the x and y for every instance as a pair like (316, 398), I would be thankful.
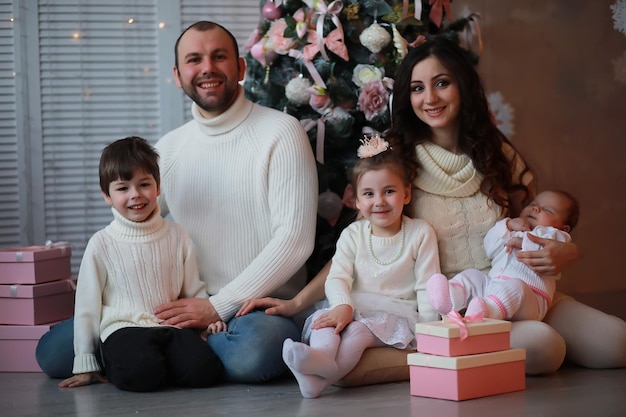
(35, 264)
(469, 376)
(460, 358)
(456, 336)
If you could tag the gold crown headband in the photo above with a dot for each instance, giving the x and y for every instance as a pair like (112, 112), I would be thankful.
(371, 146)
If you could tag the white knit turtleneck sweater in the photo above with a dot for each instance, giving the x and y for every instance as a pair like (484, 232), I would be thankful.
(448, 197)
(127, 271)
(244, 185)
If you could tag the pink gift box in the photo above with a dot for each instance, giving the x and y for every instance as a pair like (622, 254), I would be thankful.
(34, 264)
(38, 303)
(17, 347)
(444, 338)
(470, 376)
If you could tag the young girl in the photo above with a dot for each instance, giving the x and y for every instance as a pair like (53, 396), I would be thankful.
(377, 282)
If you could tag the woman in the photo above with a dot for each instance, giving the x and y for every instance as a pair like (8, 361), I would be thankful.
(469, 176)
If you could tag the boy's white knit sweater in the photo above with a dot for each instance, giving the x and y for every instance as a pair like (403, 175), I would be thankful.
(127, 271)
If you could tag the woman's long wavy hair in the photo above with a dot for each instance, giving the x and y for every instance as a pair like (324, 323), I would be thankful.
(479, 136)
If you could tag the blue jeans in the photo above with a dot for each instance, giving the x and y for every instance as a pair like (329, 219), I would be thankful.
(251, 349)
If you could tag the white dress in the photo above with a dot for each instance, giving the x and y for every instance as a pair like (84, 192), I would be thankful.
(388, 289)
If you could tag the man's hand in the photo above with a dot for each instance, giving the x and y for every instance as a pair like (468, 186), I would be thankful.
(553, 259)
(80, 380)
(272, 306)
(197, 313)
(339, 317)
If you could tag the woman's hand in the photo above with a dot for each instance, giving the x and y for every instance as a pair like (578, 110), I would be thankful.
(80, 380)
(553, 259)
(339, 317)
(272, 306)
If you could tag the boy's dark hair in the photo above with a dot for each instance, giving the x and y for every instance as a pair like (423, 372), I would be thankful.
(120, 160)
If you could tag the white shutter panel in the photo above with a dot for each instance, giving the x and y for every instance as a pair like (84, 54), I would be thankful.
(9, 187)
(86, 75)
(99, 82)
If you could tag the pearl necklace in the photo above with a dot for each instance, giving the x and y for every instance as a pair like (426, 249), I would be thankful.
(371, 249)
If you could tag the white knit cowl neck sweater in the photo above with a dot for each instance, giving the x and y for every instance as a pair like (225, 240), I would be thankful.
(448, 196)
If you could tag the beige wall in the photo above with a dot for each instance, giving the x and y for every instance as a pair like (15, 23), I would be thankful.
(553, 63)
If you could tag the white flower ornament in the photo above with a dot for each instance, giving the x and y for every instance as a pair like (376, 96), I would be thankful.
(372, 146)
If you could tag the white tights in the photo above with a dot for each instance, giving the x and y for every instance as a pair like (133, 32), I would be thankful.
(329, 357)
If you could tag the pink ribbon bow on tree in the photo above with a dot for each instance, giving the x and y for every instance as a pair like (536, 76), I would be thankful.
(333, 41)
(333, 9)
(418, 9)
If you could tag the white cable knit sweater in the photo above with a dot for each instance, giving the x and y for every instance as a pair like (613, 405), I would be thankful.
(244, 185)
(448, 197)
(353, 269)
(127, 271)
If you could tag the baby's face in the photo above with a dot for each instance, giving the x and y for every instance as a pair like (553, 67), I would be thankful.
(547, 209)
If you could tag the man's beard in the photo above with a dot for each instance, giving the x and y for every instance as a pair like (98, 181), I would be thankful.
(214, 103)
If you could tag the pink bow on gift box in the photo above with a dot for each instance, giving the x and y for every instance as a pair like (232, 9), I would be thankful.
(456, 318)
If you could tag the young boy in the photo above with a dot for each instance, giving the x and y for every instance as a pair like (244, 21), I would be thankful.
(138, 262)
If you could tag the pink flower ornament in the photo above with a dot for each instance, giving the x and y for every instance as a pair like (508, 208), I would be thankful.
(276, 39)
(373, 99)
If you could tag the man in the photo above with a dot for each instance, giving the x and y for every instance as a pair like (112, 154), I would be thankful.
(241, 179)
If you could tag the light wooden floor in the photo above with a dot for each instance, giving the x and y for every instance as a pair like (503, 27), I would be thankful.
(570, 392)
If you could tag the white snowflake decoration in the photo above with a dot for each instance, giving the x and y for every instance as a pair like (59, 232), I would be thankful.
(502, 112)
(619, 15)
(619, 69)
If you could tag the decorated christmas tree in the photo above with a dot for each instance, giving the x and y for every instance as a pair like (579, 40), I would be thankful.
(332, 66)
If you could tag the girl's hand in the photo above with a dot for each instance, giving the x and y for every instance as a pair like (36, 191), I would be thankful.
(80, 380)
(553, 259)
(339, 317)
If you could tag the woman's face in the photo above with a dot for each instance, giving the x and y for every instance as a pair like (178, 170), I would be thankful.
(435, 95)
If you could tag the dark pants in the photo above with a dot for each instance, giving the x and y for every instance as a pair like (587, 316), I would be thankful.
(144, 359)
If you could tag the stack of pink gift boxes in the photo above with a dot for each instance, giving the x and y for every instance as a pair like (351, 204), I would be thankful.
(36, 292)
(459, 360)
